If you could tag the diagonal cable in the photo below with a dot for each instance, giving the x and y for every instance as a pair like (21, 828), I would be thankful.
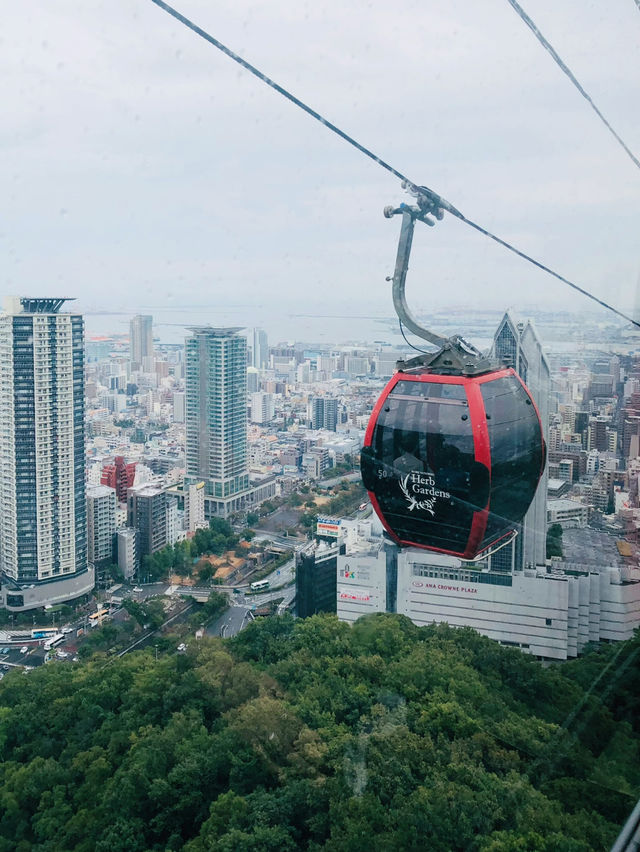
(435, 199)
(563, 67)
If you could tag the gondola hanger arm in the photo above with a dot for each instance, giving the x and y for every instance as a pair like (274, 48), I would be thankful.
(456, 354)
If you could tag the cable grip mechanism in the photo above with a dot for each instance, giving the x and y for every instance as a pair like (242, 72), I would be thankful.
(456, 356)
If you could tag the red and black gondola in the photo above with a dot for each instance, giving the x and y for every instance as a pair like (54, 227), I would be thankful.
(454, 449)
(452, 463)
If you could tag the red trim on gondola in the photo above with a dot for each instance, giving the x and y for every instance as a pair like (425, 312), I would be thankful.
(432, 378)
(482, 448)
(496, 374)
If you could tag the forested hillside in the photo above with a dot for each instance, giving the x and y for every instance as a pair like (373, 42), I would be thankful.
(313, 735)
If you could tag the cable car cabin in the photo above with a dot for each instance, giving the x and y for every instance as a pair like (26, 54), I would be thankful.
(452, 463)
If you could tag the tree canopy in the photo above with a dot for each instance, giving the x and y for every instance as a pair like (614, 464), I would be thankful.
(314, 735)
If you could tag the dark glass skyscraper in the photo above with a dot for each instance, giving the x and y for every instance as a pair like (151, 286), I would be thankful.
(518, 345)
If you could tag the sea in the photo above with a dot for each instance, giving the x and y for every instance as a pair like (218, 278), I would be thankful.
(343, 325)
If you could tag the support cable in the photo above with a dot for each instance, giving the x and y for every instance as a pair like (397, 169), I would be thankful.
(563, 67)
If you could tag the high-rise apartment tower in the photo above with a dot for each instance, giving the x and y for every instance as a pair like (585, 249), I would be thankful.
(43, 515)
(259, 349)
(140, 339)
(216, 417)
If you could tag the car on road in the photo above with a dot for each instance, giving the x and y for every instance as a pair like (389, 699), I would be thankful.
(138, 589)
(24, 649)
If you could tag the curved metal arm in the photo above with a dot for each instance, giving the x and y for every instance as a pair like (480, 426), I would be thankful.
(400, 275)
(456, 356)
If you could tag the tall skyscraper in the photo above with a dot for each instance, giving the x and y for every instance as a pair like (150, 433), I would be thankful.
(140, 339)
(517, 345)
(216, 417)
(43, 514)
(259, 349)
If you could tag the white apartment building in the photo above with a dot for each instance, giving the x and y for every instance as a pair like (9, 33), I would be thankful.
(194, 506)
(101, 523)
(127, 548)
(262, 407)
(43, 522)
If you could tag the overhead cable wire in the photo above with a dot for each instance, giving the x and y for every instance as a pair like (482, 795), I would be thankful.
(563, 67)
(437, 199)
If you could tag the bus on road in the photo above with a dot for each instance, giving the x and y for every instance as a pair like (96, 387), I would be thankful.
(259, 585)
(43, 633)
(53, 641)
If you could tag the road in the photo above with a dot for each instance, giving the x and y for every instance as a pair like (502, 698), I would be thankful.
(231, 622)
(148, 638)
(331, 483)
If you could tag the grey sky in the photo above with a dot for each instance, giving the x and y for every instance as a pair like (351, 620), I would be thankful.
(141, 167)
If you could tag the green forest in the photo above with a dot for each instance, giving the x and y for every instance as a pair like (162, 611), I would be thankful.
(317, 735)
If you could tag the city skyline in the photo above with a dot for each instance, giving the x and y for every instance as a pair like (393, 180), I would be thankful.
(311, 389)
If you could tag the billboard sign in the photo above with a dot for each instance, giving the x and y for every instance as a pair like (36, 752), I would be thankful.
(328, 527)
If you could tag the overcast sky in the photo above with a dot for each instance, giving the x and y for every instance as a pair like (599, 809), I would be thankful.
(141, 167)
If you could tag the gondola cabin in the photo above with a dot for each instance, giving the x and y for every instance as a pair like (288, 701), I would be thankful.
(452, 462)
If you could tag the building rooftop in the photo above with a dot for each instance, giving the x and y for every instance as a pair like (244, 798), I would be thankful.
(564, 505)
(146, 489)
(590, 547)
(99, 491)
(213, 331)
(554, 484)
(31, 305)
